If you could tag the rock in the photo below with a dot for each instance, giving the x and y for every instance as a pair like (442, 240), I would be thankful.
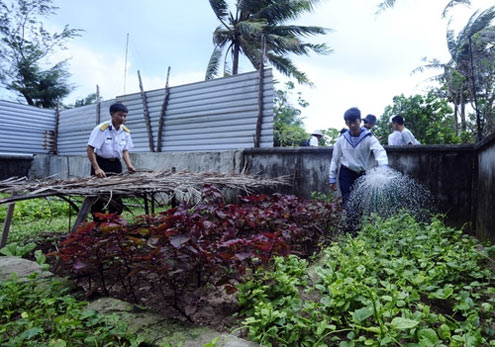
(22, 268)
(160, 331)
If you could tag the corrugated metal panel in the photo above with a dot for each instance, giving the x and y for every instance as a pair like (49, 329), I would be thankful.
(213, 115)
(219, 114)
(76, 124)
(25, 129)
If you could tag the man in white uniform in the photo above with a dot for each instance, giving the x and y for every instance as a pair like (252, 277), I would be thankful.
(352, 150)
(401, 135)
(109, 142)
(315, 138)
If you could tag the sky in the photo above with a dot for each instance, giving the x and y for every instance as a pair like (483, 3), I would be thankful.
(373, 55)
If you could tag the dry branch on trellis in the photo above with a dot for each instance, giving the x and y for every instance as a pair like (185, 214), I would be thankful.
(181, 185)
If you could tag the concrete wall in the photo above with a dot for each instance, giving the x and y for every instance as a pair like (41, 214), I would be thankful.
(484, 202)
(70, 166)
(446, 170)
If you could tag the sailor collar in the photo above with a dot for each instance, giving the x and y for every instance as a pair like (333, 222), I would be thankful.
(364, 133)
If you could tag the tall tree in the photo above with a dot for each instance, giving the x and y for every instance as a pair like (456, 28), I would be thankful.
(25, 47)
(288, 128)
(458, 73)
(241, 32)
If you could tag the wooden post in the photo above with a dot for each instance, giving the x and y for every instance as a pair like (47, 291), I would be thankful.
(260, 93)
(6, 225)
(57, 122)
(98, 105)
(161, 120)
(146, 114)
(83, 212)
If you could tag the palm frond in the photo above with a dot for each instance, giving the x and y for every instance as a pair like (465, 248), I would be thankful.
(212, 69)
(453, 3)
(298, 30)
(220, 8)
(221, 36)
(385, 5)
(285, 66)
(284, 10)
(252, 28)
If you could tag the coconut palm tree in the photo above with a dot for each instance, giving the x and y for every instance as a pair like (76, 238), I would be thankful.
(457, 76)
(241, 32)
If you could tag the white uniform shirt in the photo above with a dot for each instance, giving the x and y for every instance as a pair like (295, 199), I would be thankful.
(408, 137)
(108, 142)
(313, 141)
(395, 139)
(402, 138)
(354, 153)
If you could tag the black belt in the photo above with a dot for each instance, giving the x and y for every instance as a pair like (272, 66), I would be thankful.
(108, 159)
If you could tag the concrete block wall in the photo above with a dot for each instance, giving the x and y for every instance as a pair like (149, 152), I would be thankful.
(446, 170)
(484, 190)
(461, 177)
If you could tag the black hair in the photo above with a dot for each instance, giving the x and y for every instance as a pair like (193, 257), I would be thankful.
(398, 119)
(370, 119)
(118, 107)
(352, 114)
(343, 130)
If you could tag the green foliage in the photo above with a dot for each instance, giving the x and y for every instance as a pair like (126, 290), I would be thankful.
(330, 136)
(25, 46)
(241, 31)
(288, 128)
(32, 314)
(397, 283)
(428, 117)
(89, 100)
(15, 250)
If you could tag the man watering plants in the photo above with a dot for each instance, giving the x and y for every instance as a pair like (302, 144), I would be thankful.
(352, 150)
(109, 142)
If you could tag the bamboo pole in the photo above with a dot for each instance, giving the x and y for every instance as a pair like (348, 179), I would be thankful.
(260, 93)
(146, 114)
(162, 114)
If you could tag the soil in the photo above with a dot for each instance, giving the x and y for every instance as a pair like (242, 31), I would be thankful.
(216, 310)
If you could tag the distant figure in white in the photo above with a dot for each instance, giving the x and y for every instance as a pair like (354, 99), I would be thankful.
(315, 138)
(401, 135)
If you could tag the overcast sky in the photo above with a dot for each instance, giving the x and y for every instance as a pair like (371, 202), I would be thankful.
(372, 59)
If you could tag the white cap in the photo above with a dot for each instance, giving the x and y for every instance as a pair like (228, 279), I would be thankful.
(317, 132)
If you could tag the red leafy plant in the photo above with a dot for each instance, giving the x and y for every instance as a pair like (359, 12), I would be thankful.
(184, 251)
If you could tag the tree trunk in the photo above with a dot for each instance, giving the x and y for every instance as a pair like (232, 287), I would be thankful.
(463, 111)
(456, 111)
(235, 53)
(28, 98)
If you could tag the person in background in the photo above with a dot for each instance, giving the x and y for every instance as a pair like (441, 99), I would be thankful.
(109, 142)
(352, 150)
(401, 135)
(369, 121)
(342, 131)
(315, 138)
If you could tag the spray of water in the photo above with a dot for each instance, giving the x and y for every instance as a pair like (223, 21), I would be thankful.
(384, 191)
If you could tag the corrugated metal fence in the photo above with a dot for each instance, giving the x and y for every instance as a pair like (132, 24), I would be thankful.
(213, 115)
(26, 129)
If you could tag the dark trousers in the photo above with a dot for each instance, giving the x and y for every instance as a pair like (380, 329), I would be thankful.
(110, 167)
(347, 177)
